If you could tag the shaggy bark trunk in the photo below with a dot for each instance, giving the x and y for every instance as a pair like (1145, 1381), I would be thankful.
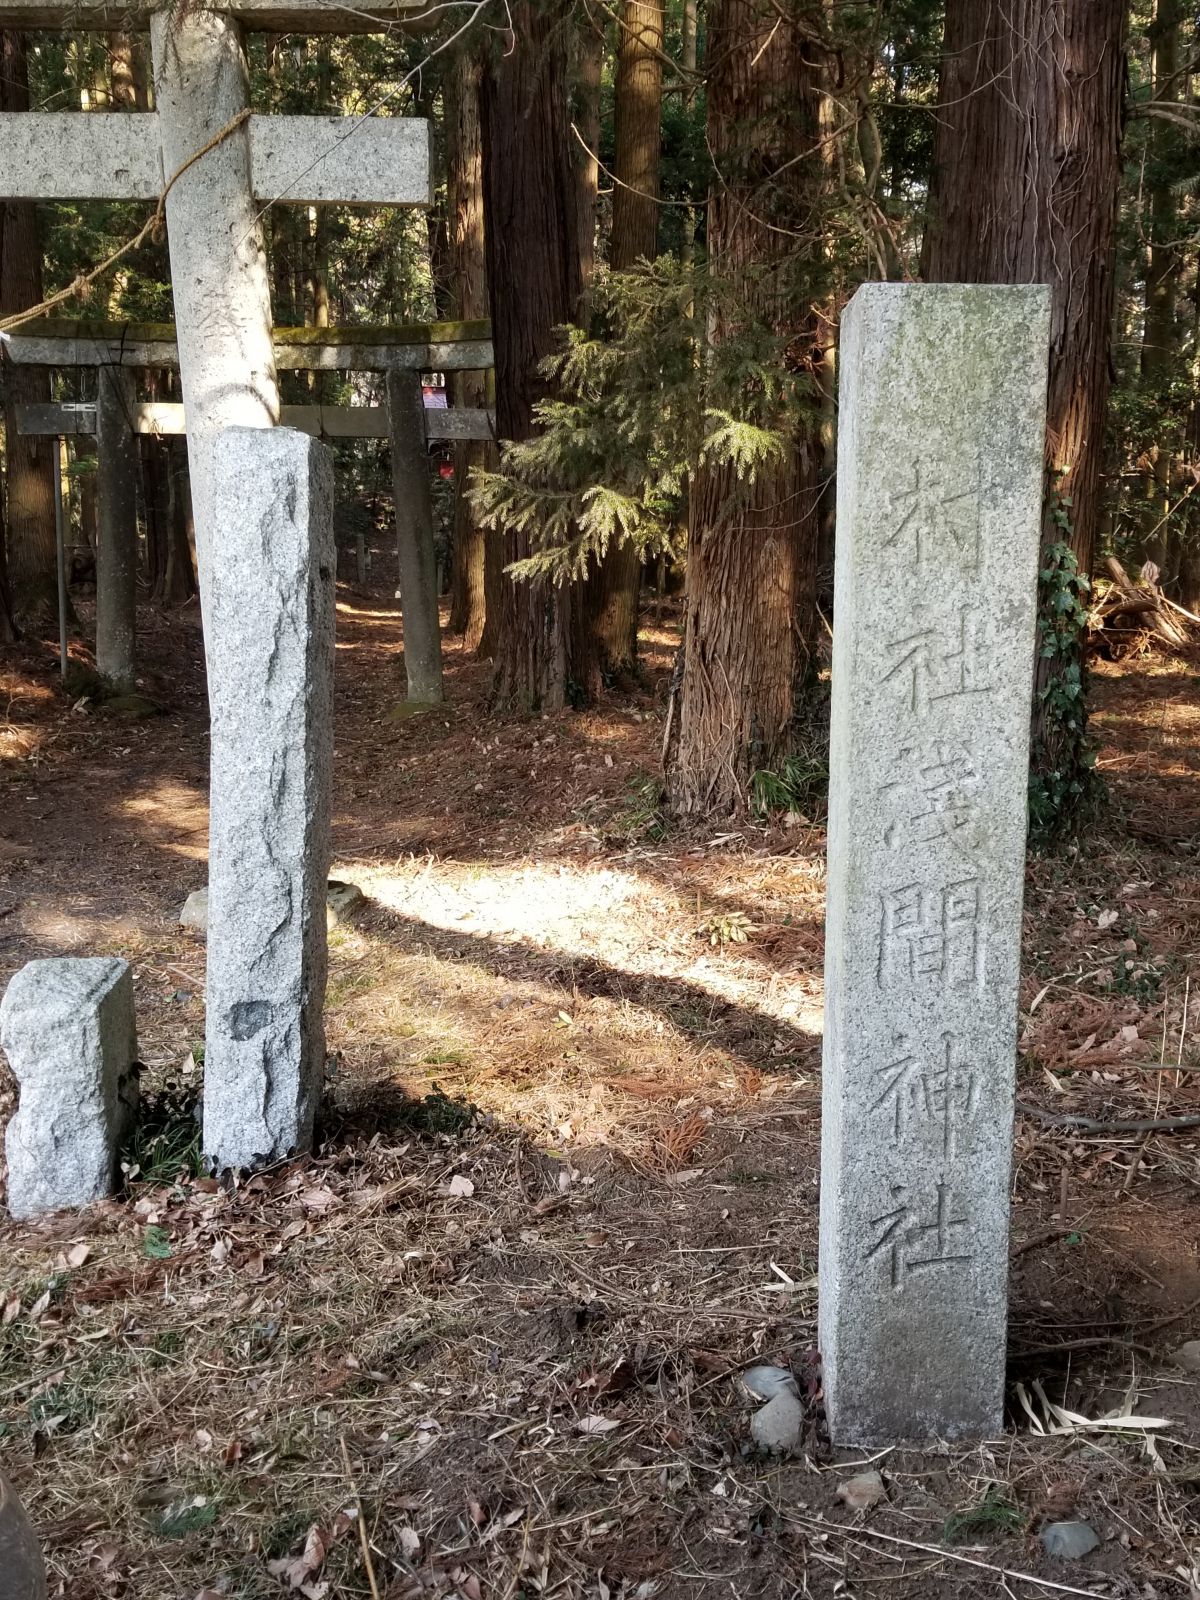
(1026, 169)
(117, 455)
(83, 449)
(1027, 163)
(468, 301)
(283, 268)
(1160, 335)
(589, 70)
(751, 573)
(127, 69)
(688, 62)
(638, 133)
(494, 585)
(152, 466)
(531, 226)
(32, 564)
(612, 589)
(8, 626)
(180, 582)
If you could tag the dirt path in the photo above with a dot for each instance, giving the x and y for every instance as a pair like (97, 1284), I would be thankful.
(569, 1180)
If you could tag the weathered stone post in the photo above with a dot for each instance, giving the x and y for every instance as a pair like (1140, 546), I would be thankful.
(20, 1553)
(414, 538)
(218, 263)
(270, 627)
(67, 1027)
(941, 438)
(116, 542)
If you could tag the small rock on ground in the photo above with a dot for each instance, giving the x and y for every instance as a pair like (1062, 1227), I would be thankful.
(342, 900)
(22, 1571)
(778, 1426)
(764, 1383)
(864, 1490)
(1069, 1540)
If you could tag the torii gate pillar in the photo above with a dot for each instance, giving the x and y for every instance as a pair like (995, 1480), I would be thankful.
(218, 263)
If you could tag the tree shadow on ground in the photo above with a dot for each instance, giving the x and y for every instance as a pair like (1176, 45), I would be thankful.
(750, 1035)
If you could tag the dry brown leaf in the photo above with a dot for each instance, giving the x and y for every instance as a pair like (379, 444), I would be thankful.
(296, 1571)
(862, 1491)
(594, 1424)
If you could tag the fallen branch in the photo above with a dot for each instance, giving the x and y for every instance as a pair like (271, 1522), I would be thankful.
(863, 1532)
(1096, 1341)
(1124, 600)
(1067, 1119)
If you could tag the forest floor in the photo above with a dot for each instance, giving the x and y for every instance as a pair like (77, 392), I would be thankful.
(567, 1184)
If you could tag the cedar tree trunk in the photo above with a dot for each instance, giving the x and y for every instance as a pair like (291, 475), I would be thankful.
(468, 301)
(1027, 163)
(1160, 335)
(32, 563)
(612, 590)
(751, 573)
(531, 226)
(589, 71)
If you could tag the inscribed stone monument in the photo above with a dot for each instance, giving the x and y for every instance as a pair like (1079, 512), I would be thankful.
(67, 1028)
(940, 462)
(269, 640)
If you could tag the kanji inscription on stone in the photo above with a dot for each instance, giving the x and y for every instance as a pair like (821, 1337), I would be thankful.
(937, 512)
(941, 426)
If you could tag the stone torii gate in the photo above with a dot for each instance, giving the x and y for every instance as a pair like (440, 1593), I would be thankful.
(222, 165)
(263, 511)
(401, 351)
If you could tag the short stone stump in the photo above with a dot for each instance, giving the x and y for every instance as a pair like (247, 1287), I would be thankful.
(67, 1027)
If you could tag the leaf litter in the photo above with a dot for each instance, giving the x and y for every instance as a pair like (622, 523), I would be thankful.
(536, 1381)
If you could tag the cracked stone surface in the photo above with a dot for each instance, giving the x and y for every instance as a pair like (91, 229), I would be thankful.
(270, 643)
(67, 1028)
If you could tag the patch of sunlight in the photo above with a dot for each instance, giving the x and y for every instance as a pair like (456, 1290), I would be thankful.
(16, 687)
(598, 913)
(360, 614)
(63, 933)
(19, 744)
(172, 816)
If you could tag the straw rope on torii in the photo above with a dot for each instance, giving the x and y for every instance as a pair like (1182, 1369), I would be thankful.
(153, 228)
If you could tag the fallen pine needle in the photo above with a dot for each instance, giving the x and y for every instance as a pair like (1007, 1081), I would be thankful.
(362, 1526)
